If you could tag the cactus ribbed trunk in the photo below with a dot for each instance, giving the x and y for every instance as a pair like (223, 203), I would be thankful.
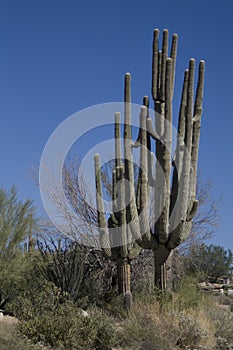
(161, 269)
(160, 275)
(123, 276)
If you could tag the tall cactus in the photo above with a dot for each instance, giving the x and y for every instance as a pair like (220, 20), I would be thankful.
(115, 237)
(174, 182)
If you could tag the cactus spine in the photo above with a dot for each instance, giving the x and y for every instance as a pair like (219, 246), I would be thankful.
(174, 182)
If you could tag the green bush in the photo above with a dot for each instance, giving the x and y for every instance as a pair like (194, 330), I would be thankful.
(188, 296)
(10, 339)
(49, 317)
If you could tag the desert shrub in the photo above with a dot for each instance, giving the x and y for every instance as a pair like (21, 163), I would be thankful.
(10, 339)
(82, 272)
(196, 331)
(105, 336)
(188, 296)
(149, 326)
(115, 307)
(223, 321)
(63, 265)
(16, 275)
(51, 318)
(17, 218)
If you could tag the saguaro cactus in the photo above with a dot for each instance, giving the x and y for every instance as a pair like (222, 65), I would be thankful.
(173, 181)
(116, 238)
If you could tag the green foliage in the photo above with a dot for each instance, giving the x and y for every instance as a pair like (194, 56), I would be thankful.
(63, 265)
(12, 275)
(16, 218)
(211, 261)
(48, 317)
(10, 339)
(189, 296)
(78, 271)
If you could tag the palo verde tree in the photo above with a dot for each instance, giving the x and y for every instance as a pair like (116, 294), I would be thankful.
(170, 180)
(16, 222)
(17, 219)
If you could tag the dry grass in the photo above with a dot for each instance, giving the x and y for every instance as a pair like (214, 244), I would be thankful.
(149, 327)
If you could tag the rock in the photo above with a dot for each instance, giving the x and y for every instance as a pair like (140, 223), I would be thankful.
(8, 319)
(85, 313)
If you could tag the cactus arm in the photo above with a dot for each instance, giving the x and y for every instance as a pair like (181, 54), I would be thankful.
(131, 209)
(200, 87)
(122, 215)
(128, 161)
(149, 158)
(116, 174)
(104, 238)
(146, 101)
(173, 55)
(134, 252)
(197, 123)
(179, 144)
(183, 104)
(163, 222)
(180, 233)
(186, 166)
(164, 64)
(155, 64)
(137, 143)
(192, 212)
(119, 190)
(183, 196)
(114, 195)
(193, 206)
(160, 55)
(148, 240)
(117, 140)
(165, 77)
(151, 130)
(143, 207)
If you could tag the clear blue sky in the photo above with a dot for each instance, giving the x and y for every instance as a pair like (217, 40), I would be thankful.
(58, 57)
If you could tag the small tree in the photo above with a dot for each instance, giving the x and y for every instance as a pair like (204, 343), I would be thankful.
(16, 222)
(210, 261)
